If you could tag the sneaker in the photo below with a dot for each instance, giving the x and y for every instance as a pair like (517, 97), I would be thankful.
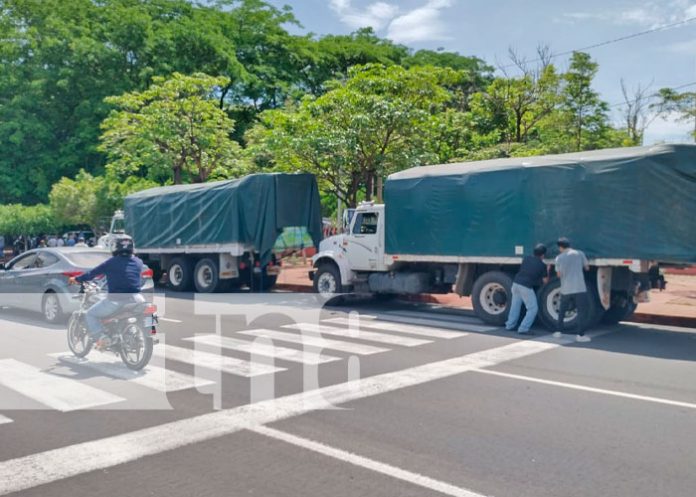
(557, 334)
(582, 338)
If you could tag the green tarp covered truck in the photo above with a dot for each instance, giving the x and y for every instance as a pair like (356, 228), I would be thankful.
(220, 235)
(465, 228)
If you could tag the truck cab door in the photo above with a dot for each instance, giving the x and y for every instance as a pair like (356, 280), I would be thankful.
(364, 247)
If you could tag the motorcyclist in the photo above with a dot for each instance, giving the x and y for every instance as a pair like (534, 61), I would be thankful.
(123, 278)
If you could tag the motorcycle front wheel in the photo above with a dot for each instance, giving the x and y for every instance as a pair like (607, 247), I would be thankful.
(78, 338)
(136, 347)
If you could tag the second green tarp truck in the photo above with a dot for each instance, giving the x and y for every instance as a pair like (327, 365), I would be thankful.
(218, 236)
(465, 227)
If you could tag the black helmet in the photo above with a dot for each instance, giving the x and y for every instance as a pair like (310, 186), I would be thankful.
(540, 249)
(122, 245)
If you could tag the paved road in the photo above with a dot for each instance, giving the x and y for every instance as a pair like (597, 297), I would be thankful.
(272, 395)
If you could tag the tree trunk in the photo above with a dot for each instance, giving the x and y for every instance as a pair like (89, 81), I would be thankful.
(177, 175)
(369, 185)
(380, 188)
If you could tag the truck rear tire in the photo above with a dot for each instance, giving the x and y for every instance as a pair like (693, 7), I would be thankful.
(491, 297)
(180, 274)
(549, 297)
(206, 276)
(619, 311)
(327, 280)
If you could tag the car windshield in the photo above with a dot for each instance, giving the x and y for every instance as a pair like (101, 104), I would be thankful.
(87, 259)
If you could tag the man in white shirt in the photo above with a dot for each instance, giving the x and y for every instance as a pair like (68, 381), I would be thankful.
(571, 265)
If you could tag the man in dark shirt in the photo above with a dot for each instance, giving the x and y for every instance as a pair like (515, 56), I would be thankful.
(123, 274)
(532, 273)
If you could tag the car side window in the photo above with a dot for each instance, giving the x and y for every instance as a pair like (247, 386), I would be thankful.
(365, 223)
(24, 262)
(44, 259)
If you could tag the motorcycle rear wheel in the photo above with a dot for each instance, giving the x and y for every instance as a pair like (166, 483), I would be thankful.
(78, 337)
(136, 347)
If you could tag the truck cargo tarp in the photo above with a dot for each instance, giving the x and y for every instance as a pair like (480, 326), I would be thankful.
(637, 203)
(252, 210)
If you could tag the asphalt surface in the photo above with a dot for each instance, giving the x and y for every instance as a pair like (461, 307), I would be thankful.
(426, 402)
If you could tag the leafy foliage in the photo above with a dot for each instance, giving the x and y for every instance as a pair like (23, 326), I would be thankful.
(173, 131)
(22, 220)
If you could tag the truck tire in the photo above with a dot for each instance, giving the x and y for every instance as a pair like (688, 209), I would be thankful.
(206, 275)
(491, 297)
(620, 310)
(327, 280)
(549, 297)
(180, 274)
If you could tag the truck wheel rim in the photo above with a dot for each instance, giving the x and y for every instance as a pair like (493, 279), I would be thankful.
(489, 298)
(326, 283)
(176, 275)
(204, 276)
(553, 305)
(50, 307)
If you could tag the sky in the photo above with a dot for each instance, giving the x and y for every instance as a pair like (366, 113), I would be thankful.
(489, 28)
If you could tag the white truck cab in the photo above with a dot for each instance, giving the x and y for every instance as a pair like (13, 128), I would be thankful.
(359, 249)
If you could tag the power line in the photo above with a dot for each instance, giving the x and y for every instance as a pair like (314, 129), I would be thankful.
(654, 95)
(614, 40)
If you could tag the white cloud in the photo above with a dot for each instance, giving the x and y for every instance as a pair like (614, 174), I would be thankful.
(646, 14)
(376, 15)
(423, 23)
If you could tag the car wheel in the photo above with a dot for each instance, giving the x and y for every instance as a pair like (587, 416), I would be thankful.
(327, 280)
(50, 307)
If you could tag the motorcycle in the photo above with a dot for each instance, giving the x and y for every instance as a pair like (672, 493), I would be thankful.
(131, 330)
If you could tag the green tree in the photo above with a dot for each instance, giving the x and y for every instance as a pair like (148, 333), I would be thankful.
(585, 113)
(362, 129)
(23, 220)
(61, 58)
(682, 104)
(91, 200)
(173, 131)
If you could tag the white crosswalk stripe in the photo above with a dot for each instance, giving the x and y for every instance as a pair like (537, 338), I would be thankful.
(359, 334)
(4, 420)
(464, 325)
(311, 357)
(59, 393)
(316, 341)
(156, 378)
(217, 362)
(459, 319)
(403, 328)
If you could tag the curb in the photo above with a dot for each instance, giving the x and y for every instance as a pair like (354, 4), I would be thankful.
(638, 317)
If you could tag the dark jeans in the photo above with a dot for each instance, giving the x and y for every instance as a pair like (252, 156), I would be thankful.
(581, 303)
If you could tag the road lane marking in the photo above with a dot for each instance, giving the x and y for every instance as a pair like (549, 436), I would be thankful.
(392, 326)
(575, 386)
(435, 316)
(464, 325)
(53, 465)
(156, 378)
(4, 420)
(316, 341)
(169, 320)
(216, 362)
(364, 462)
(360, 334)
(62, 394)
(311, 357)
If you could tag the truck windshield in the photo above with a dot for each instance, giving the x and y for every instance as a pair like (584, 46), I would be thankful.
(118, 226)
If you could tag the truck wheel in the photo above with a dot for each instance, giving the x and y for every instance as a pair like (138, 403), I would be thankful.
(491, 297)
(206, 276)
(620, 310)
(550, 300)
(180, 274)
(327, 280)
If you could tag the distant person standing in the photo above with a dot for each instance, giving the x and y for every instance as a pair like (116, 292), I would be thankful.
(60, 242)
(532, 273)
(52, 242)
(71, 241)
(571, 265)
(81, 242)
